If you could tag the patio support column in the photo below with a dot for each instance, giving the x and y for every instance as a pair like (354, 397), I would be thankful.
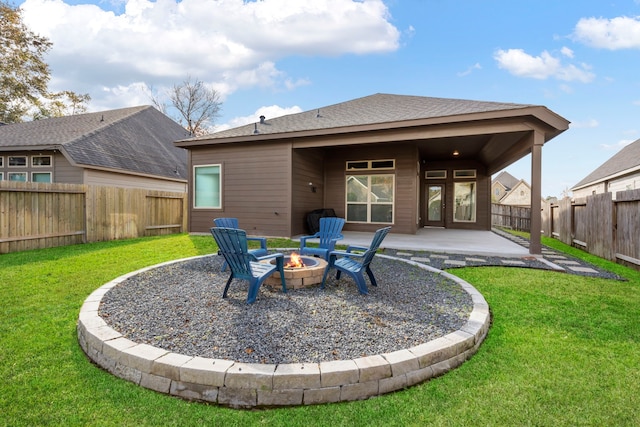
(535, 247)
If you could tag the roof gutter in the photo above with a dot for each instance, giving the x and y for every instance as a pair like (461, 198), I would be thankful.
(542, 114)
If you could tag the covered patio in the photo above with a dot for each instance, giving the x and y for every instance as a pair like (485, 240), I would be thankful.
(431, 239)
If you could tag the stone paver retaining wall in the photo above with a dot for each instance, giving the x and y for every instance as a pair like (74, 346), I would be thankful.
(246, 385)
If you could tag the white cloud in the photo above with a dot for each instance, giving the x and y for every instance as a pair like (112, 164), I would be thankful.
(230, 44)
(542, 67)
(469, 70)
(617, 33)
(617, 146)
(566, 52)
(591, 123)
(269, 112)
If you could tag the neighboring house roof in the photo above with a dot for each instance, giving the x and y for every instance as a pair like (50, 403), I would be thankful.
(624, 162)
(136, 139)
(507, 180)
(374, 109)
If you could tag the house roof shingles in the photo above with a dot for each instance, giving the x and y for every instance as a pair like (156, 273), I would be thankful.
(507, 180)
(374, 109)
(136, 139)
(627, 159)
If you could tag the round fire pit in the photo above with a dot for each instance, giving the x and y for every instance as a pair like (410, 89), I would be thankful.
(299, 277)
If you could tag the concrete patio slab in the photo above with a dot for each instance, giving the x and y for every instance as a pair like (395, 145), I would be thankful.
(470, 242)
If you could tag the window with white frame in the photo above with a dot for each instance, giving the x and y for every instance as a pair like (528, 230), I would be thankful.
(41, 161)
(1, 176)
(17, 176)
(464, 202)
(370, 198)
(207, 183)
(17, 161)
(361, 165)
(1, 161)
(41, 177)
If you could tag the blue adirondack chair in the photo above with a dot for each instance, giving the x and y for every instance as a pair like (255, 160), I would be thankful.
(355, 264)
(330, 232)
(243, 264)
(233, 223)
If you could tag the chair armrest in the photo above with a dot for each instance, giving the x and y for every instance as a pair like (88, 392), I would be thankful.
(332, 244)
(335, 254)
(358, 248)
(264, 257)
(303, 239)
(262, 240)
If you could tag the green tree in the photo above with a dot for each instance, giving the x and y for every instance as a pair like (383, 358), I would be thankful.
(24, 75)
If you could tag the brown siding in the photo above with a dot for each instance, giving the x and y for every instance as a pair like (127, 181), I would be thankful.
(405, 205)
(114, 179)
(483, 193)
(308, 167)
(256, 183)
(65, 172)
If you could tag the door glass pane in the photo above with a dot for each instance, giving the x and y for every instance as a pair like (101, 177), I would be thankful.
(465, 202)
(435, 203)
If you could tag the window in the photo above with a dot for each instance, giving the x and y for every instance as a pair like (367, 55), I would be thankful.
(465, 202)
(41, 161)
(442, 174)
(370, 198)
(1, 176)
(371, 165)
(464, 173)
(17, 176)
(41, 176)
(1, 161)
(207, 186)
(18, 161)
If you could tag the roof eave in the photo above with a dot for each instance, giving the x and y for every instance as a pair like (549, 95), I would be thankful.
(31, 148)
(554, 122)
(606, 178)
(128, 172)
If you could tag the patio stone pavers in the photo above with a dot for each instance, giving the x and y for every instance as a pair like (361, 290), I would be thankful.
(549, 260)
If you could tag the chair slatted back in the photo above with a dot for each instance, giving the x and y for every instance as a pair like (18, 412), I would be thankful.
(330, 229)
(226, 222)
(375, 244)
(232, 243)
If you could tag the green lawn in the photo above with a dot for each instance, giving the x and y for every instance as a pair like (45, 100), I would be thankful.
(562, 350)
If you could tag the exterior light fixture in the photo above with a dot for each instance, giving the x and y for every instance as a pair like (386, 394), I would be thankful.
(456, 153)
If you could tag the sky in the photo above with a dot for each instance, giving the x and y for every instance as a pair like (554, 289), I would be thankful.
(580, 59)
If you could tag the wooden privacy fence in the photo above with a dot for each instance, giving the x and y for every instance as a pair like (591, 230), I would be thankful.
(37, 215)
(513, 217)
(598, 224)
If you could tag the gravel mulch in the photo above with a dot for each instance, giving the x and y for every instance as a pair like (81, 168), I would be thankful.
(179, 307)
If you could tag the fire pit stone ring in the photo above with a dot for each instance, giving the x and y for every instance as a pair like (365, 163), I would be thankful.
(299, 277)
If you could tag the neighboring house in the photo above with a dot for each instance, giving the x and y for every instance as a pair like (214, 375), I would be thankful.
(421, 162)
(621, 172)
(519, 195)
(507, 190)
(501, 185)
(128, 147)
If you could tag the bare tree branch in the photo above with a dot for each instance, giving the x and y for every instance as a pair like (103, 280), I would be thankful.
(197, 104)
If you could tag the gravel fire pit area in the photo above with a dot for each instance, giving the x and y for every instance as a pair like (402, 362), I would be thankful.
(169, 329)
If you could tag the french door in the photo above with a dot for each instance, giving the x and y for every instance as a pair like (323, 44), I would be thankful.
(434, 205)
